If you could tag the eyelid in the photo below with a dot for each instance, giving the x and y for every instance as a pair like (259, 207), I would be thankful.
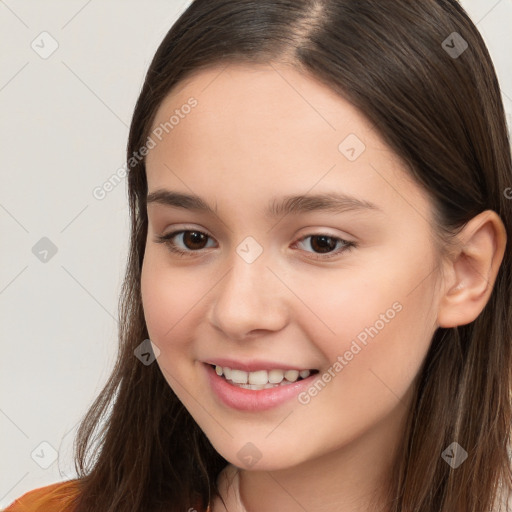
(347, 245)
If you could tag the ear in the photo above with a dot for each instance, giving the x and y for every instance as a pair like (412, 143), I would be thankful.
(472, 270)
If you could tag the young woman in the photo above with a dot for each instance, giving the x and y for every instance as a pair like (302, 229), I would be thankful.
(320, 199)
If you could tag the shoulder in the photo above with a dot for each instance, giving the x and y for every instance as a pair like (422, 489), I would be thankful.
(57, 497)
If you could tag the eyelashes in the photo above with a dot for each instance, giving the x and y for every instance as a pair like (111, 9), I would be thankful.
(327, 242)
(172, 246)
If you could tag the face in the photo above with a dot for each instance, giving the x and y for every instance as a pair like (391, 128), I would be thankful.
(346, 290)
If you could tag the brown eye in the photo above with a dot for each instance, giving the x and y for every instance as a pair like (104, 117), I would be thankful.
(194, 240)
(323, 243)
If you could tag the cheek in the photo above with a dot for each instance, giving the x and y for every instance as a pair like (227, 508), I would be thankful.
(168, 301)
(167, 298)
(387, 351)
(337, 306)
(379, 319)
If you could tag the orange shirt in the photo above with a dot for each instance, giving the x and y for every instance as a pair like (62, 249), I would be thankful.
(51, 498)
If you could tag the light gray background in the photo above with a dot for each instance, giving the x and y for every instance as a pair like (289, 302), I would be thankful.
(63, 131)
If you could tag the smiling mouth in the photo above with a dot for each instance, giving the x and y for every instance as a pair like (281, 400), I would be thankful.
(261, 379)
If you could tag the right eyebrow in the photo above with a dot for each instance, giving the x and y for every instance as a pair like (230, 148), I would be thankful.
(180, 200)
(331, 201)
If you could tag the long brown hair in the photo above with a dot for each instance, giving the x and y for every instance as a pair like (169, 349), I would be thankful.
(138, 448)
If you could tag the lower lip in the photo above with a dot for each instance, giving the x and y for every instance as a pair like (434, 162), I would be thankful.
(254, 400)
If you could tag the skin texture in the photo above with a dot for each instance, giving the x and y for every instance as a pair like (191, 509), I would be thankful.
(260, 132)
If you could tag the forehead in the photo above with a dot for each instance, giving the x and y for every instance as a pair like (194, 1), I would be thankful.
(241, 95)
(274, 128)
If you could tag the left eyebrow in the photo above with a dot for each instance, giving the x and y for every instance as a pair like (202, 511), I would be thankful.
(330, 202)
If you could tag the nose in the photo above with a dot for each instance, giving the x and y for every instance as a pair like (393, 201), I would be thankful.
(249, 300)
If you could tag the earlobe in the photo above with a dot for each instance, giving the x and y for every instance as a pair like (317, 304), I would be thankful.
(473, 270)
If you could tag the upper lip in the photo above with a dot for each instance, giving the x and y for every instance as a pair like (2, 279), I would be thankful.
(254, 365)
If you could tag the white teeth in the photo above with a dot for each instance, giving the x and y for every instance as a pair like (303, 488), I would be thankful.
(291, 375)
(261, 378)
(265, 386)
(275, 376)
(239, 376)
